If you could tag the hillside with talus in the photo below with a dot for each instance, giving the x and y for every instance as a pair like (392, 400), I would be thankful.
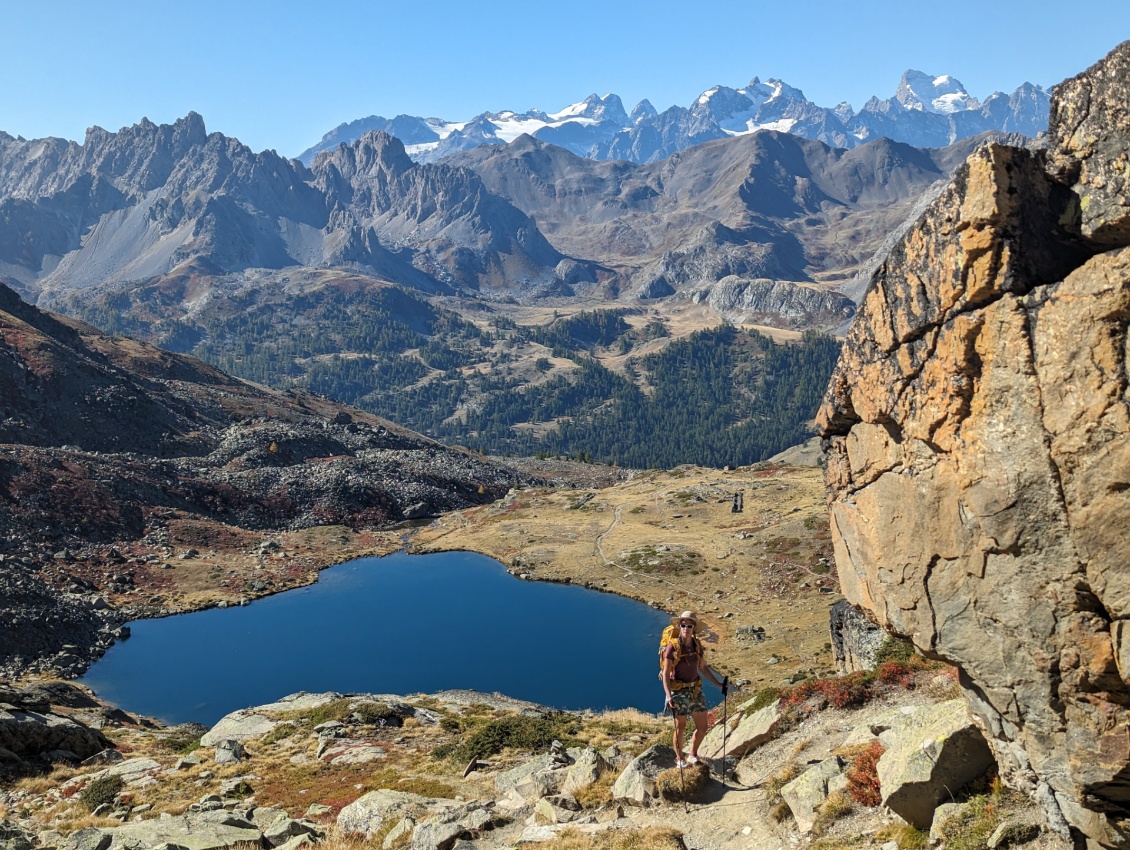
(978, 463)
(116, 457)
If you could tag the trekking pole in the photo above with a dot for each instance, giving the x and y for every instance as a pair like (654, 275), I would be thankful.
(725, 725)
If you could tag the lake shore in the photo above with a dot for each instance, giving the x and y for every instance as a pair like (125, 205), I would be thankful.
(672, 540)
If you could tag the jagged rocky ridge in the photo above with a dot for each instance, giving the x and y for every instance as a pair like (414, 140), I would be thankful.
(136, 204)
(925, 111)
(104, 437)
(977, 460)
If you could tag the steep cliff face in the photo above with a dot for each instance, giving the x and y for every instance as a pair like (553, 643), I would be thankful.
(978, 462)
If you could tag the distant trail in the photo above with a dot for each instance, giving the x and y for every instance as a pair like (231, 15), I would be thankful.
(607, 531)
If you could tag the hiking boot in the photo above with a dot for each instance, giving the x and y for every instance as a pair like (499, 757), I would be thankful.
(680, 763)
(692, 759)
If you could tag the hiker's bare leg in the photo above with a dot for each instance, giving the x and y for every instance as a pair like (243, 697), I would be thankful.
(680, 734)
(699, 718)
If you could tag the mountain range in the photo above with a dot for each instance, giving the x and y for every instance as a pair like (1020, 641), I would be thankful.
(127, 208)
(925, 111)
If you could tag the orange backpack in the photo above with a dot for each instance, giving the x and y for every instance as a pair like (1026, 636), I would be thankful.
(671, 636)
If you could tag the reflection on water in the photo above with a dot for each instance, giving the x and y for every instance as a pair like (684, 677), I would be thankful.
(400, 624)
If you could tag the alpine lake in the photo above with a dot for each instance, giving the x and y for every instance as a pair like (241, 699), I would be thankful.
(400, 624)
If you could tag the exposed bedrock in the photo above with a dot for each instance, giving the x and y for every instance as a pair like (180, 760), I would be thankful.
(978, 465)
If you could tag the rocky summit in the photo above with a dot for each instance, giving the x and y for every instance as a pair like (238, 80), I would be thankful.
(977, 460)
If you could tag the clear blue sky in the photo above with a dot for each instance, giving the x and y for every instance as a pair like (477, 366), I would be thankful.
(280, 74)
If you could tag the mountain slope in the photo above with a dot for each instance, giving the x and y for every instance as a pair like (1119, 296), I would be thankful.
(140, 203)
(195, 439)
(767, 205)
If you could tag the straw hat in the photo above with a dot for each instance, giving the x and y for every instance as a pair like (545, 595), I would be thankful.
(686, 615)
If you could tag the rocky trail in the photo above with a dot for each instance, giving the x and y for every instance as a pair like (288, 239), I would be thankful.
(388, 771)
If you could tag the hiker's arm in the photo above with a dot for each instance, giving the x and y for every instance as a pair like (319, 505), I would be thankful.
(668, 675)
(704, 668)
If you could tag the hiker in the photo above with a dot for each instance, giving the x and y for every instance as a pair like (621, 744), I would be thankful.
(684, 665)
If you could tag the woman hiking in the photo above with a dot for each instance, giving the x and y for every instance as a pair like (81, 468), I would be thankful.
(684, 665)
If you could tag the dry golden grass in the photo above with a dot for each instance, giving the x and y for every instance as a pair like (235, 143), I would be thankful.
(77, 818)
(837, 805)
(336, 840)
(41, 784)
(780, 779)
(905, 835)
(650, 838)
(685, 784)
(598, 793)
(612, 727)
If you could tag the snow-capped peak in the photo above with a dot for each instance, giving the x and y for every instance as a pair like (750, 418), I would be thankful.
(942, 95)
(595, 107)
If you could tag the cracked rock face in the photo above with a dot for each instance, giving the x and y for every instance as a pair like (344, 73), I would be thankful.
(978, 466)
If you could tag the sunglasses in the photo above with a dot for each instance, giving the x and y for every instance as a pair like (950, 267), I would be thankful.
(686, 625)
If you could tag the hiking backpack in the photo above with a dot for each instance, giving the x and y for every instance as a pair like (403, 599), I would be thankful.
(671, 636)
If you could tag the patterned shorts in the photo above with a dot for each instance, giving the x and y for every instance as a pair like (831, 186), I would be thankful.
(688, 701)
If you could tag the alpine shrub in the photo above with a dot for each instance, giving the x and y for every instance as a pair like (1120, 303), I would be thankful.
(863, 776)
(101, 791)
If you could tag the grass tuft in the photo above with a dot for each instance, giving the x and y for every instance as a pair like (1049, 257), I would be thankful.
(908, 838)
(837, 805)
(685, 784)
(649, 838)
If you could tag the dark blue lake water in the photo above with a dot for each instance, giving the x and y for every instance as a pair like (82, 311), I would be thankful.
(400, 624)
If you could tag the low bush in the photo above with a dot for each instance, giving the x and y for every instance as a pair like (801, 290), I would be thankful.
(849, 691)
(863, 778)
(895, 649)
(182, 741)
(513, 731)
(764, 697)
(103, 790)
(853, 689)
(378, 714)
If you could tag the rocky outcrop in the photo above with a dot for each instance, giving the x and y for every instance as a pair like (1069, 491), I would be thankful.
(778, 303)
(935, 753)
(807, 793)
(977, 463)
(636, 783)
(29, 735)
(856, 639)
(745, 731)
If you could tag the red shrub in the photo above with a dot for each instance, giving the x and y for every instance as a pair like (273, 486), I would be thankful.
(863, 777)
(897, 673)
(846, 691)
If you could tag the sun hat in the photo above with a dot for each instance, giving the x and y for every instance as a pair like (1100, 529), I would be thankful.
(686, 615)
